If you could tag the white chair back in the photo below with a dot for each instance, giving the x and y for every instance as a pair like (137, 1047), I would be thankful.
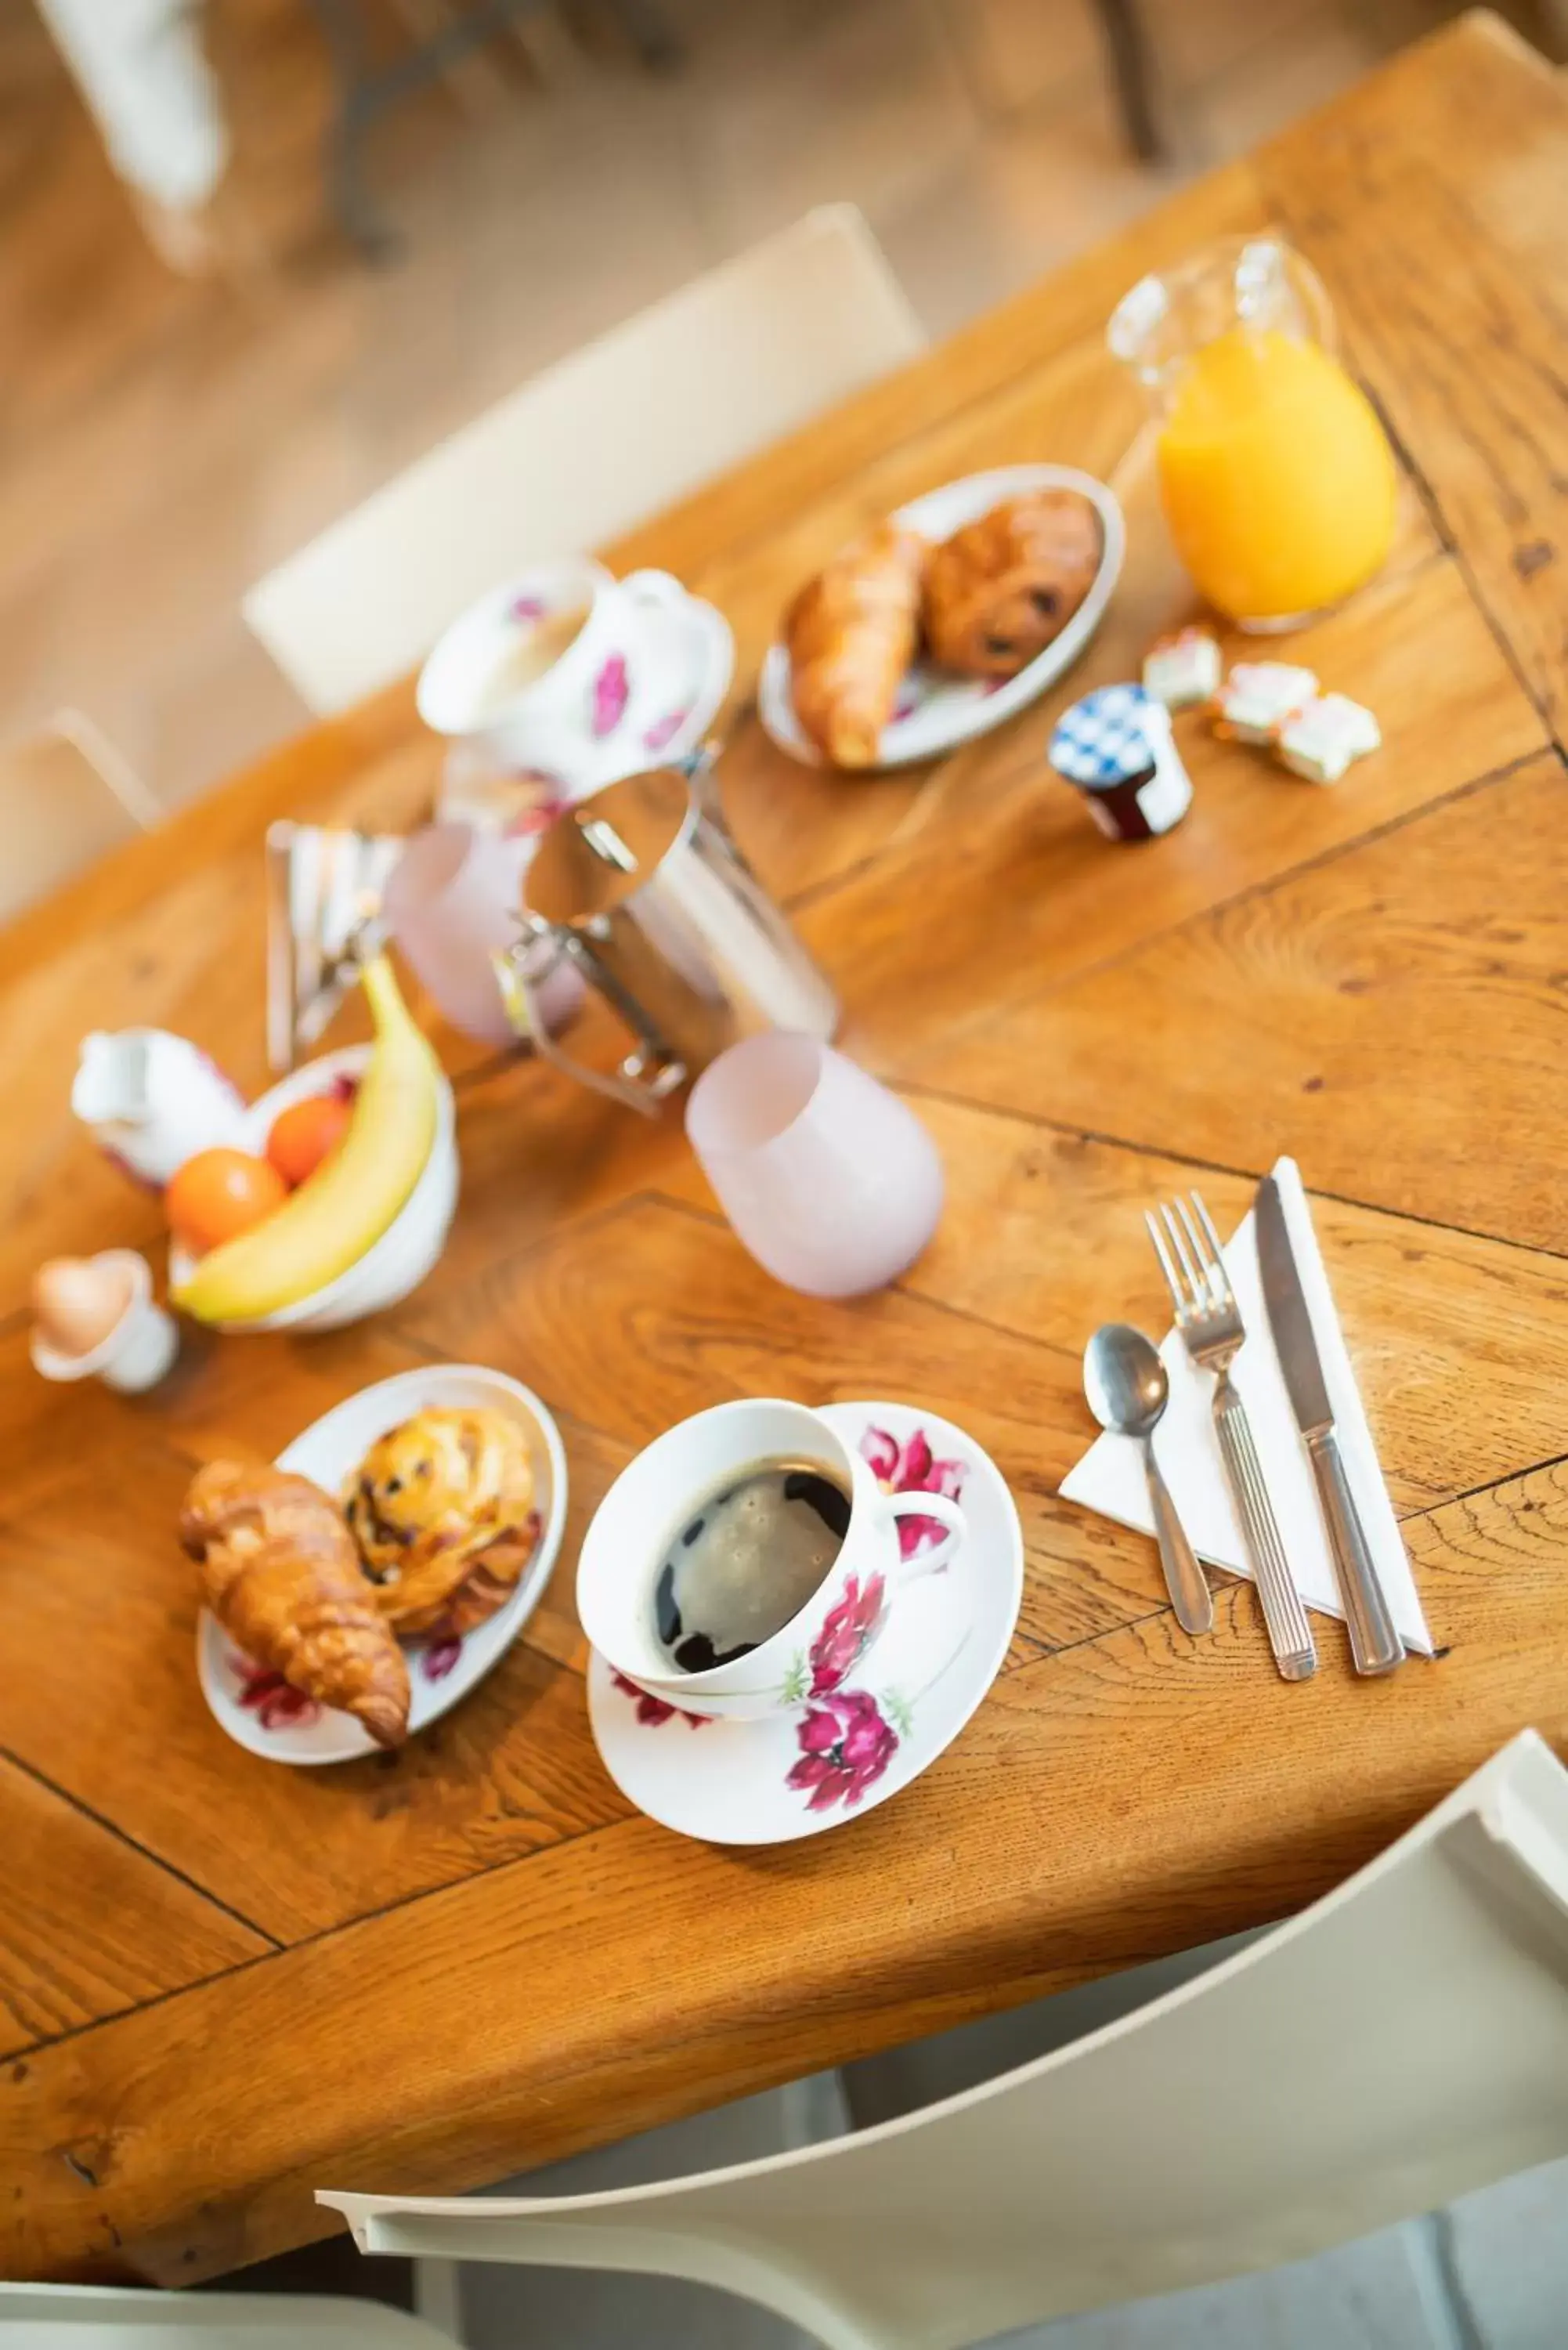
(104, 2317)
(649, 411)
(1400, 2043)
(65, 796)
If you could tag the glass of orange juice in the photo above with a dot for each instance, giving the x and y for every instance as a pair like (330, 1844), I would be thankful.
(1276, 476)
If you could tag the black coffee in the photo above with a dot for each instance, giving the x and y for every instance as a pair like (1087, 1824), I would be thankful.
(748, 1559)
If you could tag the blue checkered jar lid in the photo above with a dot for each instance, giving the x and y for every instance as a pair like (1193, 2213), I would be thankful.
(1102, 740)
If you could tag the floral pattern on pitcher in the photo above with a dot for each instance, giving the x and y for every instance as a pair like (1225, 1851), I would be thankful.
(540, 812)
(611, 692)
(663, 731)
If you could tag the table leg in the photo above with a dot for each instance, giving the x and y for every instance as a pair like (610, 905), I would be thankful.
(365, 90)
(1130, 66)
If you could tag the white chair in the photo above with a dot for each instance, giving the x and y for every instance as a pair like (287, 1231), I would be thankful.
(1400, 2043)
(578, 455)
(104, 2317)
(65, 796)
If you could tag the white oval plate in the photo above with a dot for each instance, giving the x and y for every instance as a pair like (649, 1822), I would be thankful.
(327, 1452)
(938, 712)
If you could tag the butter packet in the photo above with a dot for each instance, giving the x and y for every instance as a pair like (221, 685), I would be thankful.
(1257, 699)
(1320, 740)
(1182, 670)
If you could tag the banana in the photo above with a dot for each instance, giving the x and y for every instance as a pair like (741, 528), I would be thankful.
(347, 1203)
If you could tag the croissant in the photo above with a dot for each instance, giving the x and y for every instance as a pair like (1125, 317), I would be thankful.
(280, 1573)
(442, 1509)
(851, 634)
(1001, 590)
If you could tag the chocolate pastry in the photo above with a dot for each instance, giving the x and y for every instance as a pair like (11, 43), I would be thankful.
(1001, 590)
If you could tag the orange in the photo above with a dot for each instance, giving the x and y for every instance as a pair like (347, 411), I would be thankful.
(304, 1134)
(218, 1194)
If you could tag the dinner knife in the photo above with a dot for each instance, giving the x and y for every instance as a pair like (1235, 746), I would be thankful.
(1375, 1644)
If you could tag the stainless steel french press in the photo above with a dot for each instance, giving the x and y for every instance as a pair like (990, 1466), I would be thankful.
(641, 887)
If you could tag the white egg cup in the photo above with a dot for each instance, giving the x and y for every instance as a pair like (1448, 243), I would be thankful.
(132, 1357)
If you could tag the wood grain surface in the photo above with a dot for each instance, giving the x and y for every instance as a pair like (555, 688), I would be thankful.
(1396, 1015)
(223, 1984)
(70, 1882)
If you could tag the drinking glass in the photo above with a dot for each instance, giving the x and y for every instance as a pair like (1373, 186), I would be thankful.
(829, 1180)
(451, 901)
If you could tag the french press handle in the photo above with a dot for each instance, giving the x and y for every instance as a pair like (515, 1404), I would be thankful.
(650, 1073)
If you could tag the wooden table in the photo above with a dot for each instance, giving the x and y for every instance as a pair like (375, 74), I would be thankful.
(223, 1984)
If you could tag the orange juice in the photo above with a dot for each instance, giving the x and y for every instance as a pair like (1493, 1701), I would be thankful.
(1277, 483)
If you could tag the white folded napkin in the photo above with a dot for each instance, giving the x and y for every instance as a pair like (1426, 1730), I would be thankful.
(1110, 1478)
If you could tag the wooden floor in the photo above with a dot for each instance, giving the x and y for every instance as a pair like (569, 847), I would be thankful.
(163, 441)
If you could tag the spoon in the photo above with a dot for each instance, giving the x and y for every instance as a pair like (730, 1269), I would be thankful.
(1127, 1389)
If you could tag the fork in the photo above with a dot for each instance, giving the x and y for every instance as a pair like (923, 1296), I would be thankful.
(1210, 1325)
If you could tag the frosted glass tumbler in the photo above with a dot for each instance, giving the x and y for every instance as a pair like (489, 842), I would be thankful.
(451, 901)
(829, 1180)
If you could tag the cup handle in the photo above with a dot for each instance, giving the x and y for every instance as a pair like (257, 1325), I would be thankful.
(654, 586)
(527, 1021)
(947, 1515)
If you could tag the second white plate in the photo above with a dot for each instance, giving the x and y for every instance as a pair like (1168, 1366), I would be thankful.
(937, 712)
(260, 1712)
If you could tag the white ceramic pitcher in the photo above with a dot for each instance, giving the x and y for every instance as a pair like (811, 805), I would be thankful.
(152, 1100)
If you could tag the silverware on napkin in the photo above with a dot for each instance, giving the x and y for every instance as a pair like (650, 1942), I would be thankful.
(1375, 1644)
(1127, 1389)
(1210, 1325)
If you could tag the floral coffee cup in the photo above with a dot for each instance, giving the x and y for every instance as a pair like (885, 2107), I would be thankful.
(867, 1598)
(589, 714)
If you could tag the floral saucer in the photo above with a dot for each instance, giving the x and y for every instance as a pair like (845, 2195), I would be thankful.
(853, 1741)
(935, 712)
(695, 652)
(257, 1708)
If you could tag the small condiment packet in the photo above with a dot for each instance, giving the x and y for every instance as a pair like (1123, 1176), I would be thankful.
(1258, 697)
(1320, 740)
(1117, 746)
(1182, 670)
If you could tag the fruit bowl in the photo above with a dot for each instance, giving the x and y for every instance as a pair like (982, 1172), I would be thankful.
(395, 1263)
